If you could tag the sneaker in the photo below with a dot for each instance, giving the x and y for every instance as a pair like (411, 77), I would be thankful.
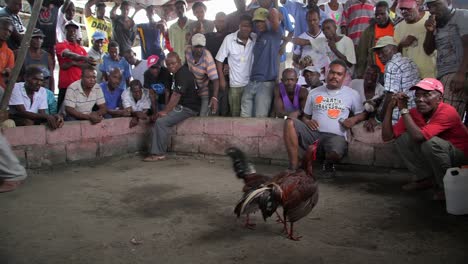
(328, 171)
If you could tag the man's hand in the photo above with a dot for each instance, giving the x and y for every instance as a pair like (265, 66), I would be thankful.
(401, 100)
(95, 118)
(141, 115)
(314, 125)
(213, 105)
(154, 117)
(52, 122)
(430, 23)
(59, 120)
(370, 124)
(348, 122)
(456, 86)
(332, 44)
(134, 122)
(91, 61)
(226, 69)
(408, 41)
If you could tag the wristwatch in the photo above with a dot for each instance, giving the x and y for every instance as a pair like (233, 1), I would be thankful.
(404, 111)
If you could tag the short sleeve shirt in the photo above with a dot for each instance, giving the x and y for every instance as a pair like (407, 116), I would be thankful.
(7, 60)
(76, 98)
(113, 98)
(141, 105)
(184, 84)
(94, 24)
(327, 107)
(204, 70)
(66, 77)
(108, 65)
(20, 97)
(266, 56)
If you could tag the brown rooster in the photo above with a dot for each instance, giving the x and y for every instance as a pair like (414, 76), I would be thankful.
(296, 192)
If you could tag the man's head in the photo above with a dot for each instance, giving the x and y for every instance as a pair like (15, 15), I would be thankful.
(70, 11)
(265, 3)
(311, 3)
(240, 5)
(329, 28)
(220, 21)
(71, 31)
(409, 10)
(125, 8)
(260, 17)
(313, 18)
(198, 45)
(114, 79)
(199, 10)
(130, 57)
(37, 38)
(100, 10)
(245, 26)
(336, 74)
(136, 89)
(88, 77)
(14, 6)
(173, 62)
(385, 48)
(180, 8)
(33, 77)
(371, 75)
(113, 50)
(312, 76)
(382, 11)
(428, 95)
(6, 28)
(154, 65)
(98, 40)
(438, 8)
(289, 79)
(150, 13)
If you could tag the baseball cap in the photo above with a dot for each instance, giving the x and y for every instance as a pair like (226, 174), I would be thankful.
(71, 23)
(37, 33)
(429, 84)
(407, 3)
(152, 60)
(385, 41)
(312, 69)
(198, 40)
(260, 14)
(181, 1)
(99, 35)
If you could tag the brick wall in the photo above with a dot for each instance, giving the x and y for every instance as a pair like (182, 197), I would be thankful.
(37, 146)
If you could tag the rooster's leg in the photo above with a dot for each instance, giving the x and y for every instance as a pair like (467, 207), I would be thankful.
(291, 235)
(285, 224)
(279, 219)
(248, 224)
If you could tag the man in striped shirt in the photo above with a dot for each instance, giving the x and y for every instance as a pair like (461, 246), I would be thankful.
(355, 18)
(203, 67)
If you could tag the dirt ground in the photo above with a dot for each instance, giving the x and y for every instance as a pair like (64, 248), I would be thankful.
(180, 211)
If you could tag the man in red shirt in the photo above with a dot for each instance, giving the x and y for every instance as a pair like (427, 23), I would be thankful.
(71, 57)
(430, 138)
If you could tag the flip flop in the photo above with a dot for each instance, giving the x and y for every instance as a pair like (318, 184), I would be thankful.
(154, 158)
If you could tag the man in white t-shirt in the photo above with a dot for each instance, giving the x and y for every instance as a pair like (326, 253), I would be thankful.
(326, 119)
(137, 101)
(139, 66)
(28, 101)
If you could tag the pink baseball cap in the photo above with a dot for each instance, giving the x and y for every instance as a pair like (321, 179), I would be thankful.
(407, 3)
(152, 60)
(429, 84)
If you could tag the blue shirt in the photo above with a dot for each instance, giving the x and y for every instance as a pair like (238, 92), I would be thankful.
(285, 25)
(114, 98)
(266, 57)
(108, 64)
(151, 40)
(299, 12)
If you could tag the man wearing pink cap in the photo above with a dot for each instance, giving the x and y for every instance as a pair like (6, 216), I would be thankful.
(430, 138)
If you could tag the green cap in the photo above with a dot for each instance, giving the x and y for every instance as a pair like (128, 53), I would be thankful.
(429, 1)
(384, 41)
(260, 14)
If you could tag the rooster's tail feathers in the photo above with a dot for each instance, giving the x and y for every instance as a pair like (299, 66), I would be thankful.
(241, 166)
(267, 199)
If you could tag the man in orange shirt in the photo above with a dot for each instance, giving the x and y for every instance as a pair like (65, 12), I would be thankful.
(379, 27)
(7, 59)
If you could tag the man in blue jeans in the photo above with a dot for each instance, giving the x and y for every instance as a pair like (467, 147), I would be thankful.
(258, 94)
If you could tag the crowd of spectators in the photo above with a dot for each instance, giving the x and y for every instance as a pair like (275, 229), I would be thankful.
(357, 67)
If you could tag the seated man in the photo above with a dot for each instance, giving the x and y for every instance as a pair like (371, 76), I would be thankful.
(312, 76)
(112, 94)
(290, 97)
(184, 103)
(326, 119)
(136, 101)
(83, 95)
(28, 101)
(429, 138)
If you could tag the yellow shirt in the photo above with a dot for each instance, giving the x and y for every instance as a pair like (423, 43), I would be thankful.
(426, 63)
(93, 24)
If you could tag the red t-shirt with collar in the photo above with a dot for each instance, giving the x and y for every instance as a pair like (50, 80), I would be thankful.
(67, 77)
(444, 123)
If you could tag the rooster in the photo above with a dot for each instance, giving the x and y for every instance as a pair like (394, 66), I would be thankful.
(296, 191)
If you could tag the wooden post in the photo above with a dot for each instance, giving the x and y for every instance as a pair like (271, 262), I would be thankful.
(19, 60)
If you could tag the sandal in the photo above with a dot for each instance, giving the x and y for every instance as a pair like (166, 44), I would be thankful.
(153, 158)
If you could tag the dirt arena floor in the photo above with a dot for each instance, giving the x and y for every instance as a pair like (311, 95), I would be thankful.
(122, 210)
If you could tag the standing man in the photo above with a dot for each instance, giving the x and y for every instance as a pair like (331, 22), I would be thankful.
(410, 34)
(447, 32)
(184, 103)
(355, 18)
(139, 66)
(326, 119)
(123, 26)
(233, 20)
(258, 94)
(202, 25)
(202, 65)
(11, 10)
(66, 14)
(47, 23)
(114, 60)
(429, 138)
(151, 37)
(237, 47)
(96, 51)
(179, 30)
(379, 27)
(401, 73)
(98, 22)
(299, 12)
(7, 58)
